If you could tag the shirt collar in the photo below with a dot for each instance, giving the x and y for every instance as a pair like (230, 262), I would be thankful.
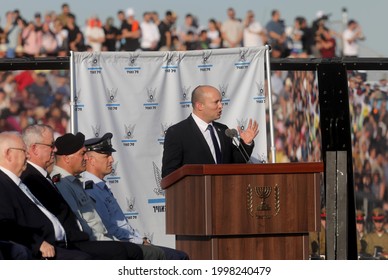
(12, 176)
(39, 168)
(97, 181)
(201, 124)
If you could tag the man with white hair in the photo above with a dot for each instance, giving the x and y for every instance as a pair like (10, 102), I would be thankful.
(23, 219)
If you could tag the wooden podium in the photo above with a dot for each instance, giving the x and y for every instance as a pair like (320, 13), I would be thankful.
(244, 211)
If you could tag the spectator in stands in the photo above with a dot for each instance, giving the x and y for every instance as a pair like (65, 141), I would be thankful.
(165, 26)
(65, 11)
(12, 32)
(94, 33)
(276, 33)
(41, 90)
(111, 35)
(75, 37)
(214, 34)
(203, 40)
(308, 36)
(254, 34)
(232, 31)
(150, 33)
(325, 42)
(49, 44)
(351, 37)
(189, 25)
(130, 32)
(38, 23)
(61, 36)
(31, 40)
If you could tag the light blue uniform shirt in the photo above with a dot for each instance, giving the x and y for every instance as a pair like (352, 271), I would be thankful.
(109, 210)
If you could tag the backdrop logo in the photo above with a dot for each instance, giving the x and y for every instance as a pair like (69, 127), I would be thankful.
(158, 204)
(164, 127)
(131, 213)
(132, 67)
(96, 130)
(205, 65)
(113, 177)
(149, 235)
(172, 63)
(242, 64)
(186, 98)
(129, 135)
(242, 123)
(111, 98)
(224, 94)
(78, 106)
(94, 63)
(151, 103)
(260, 94)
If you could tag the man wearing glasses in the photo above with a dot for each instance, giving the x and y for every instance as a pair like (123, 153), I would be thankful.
(22, 217)
(39, 140)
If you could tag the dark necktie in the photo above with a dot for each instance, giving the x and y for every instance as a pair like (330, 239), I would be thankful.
(215, 143)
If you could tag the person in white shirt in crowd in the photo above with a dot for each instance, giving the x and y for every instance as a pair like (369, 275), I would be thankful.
(232, 31)
(94, 33)
(214, 34)
(254, 33)
(351, 37)
(150, 33)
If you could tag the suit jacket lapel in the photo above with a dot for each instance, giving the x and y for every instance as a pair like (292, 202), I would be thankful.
(199, 136)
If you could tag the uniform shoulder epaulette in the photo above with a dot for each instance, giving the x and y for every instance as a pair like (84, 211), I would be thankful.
(89, 185)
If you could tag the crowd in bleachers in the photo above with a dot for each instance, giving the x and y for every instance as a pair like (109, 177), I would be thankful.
(28, 97)
(56, 33)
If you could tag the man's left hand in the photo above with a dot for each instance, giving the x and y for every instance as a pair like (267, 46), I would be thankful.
(250, 133)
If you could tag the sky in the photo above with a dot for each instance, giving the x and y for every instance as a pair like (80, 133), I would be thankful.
(370, 15)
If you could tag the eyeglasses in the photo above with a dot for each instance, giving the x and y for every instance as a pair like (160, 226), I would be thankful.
(52, 145)
(19, 149)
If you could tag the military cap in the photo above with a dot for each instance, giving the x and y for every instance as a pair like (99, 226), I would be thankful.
(360, 216)
(323, 213)
(100, 144)
(69, 143)
(378, 215)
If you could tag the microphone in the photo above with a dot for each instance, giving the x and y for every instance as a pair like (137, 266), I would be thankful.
(232, 133)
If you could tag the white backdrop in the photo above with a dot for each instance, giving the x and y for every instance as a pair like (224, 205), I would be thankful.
(138, 95)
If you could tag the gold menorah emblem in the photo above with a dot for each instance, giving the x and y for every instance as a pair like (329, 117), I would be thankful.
(263, 193)
(258, 205)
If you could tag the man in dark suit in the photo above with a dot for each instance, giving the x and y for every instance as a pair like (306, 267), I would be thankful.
(13, 251)
(191, 141)
(22, 219)
(39, 140)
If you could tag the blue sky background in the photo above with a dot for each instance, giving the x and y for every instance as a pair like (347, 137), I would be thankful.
(371, 15)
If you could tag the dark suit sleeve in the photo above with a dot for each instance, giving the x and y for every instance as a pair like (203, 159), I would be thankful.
(172, 152)
(237, 157)
(11, 230)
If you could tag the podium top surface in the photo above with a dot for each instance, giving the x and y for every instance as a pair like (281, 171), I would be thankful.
(240, 169)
